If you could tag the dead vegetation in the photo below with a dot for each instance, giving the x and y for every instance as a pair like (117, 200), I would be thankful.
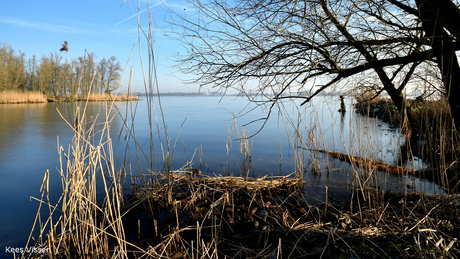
(22, 97)
(184, 216)
(39, 97)
(234, 217)
(181, 214)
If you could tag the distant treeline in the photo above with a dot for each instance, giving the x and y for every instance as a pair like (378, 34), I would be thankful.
(55, 76)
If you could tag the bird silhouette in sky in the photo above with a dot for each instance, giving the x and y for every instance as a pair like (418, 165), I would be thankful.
(64, 47)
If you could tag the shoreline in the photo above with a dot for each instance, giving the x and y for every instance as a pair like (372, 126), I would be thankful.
(17, 97)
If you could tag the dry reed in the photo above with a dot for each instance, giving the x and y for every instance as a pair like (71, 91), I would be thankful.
(86, 226)
(22, 97)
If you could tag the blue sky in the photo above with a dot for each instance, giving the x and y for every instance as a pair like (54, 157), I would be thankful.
(104, 27)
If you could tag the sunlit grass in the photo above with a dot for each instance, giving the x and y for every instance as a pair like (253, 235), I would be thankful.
(11, 96)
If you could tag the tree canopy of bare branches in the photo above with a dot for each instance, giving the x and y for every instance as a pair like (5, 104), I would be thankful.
(297, 49)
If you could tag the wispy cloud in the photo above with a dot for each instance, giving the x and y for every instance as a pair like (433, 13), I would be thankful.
(42, 26)
(134, 15)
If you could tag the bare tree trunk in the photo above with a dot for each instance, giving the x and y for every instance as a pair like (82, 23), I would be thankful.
(437, 17)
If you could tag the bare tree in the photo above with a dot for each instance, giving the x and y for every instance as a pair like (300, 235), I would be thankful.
(112, 74)
(297, 49)
(12, 68)
(442, 32)
(32, 67)
(102, 68)
(45, 74)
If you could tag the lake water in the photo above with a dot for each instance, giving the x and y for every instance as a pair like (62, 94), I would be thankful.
(198, 128)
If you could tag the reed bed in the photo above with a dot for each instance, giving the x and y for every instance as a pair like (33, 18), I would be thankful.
(80, 224)
(104, 213)
(38, 97)
(240, 217)
(189, 216)
(22, 97)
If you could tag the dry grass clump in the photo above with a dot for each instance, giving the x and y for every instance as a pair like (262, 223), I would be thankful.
(11, 96)
(436, 123)
(411, 225)
(212, 217)
(184, 216)
(436, 140)
(235, 217)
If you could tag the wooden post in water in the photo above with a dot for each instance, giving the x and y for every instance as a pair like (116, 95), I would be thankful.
(342, 109)
(130, 85)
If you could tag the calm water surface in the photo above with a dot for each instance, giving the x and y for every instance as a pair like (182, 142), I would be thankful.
(201, 128)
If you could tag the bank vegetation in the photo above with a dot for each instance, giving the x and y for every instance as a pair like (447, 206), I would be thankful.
(54, 76)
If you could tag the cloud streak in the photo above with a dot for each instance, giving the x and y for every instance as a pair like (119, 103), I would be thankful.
(134, 15)
(42, 26)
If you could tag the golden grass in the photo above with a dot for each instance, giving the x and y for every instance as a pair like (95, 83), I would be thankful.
(12, 96)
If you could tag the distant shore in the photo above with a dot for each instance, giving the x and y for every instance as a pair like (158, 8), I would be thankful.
(19, 96)
(12, 97)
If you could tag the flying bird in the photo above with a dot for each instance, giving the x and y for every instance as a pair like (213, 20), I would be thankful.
(64, 47)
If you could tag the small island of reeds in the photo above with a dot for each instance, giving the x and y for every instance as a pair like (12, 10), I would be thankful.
(10, 97)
